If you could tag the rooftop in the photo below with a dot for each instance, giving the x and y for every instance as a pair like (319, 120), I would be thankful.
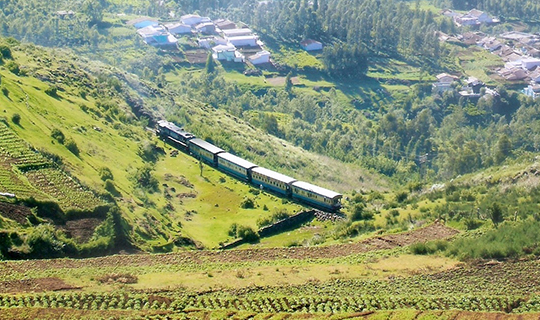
(316, 189)
(236, 160)
(206, 145)
(274, 175)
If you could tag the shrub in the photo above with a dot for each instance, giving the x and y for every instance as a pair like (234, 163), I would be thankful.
(58, 135)
(248, 204)
(16, 118)
(5, 91)
(109, 186)
(105, 174)
(52, 91)
(72, 146)
(247, 233)
(13, 67)
(232, 229)
(429, 247)
(5, 51)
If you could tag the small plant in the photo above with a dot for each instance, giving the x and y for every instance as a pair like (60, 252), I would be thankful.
(5, 91)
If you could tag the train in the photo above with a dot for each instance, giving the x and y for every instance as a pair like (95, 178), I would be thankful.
(247, 171)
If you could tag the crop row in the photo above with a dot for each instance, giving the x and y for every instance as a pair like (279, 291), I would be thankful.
(15, 150)
(305, 304)
(68, 192)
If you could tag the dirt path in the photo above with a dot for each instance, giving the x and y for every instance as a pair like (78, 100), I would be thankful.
(431, 232)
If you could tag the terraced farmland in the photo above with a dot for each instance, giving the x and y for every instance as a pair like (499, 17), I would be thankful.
(26, 173)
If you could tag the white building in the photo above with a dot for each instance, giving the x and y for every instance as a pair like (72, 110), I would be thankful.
(260, 57)
(208, 43)
(243, 41)
(227, 52)
(237, 32)
(178, 28)
(530, 63)
(193, 19)
(311, 45)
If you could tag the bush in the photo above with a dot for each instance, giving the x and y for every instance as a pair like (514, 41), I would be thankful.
(5, 51)
(16, 118)
(429, 247)
(109, 186)
(72, 146)
(13, 67)
(58, 135)
(52, 91)
(247, 233)
(248, 204)
(5, 91)
(105, 174)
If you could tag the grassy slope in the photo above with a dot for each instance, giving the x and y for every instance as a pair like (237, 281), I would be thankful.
(156, 220)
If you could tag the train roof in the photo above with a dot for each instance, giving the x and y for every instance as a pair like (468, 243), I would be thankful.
(206, 146)
(236, 160)
(274, 175)
(316, 189)
(173, 127)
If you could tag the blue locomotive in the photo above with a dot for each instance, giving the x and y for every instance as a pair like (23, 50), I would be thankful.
(244, 170)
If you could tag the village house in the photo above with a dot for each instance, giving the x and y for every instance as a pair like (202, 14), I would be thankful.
(157, 36)
(178, 28)
(193, 19)
(243, 41)
(472, 18)
(227, 52)
(260, 57)
(490, 43)
(224, 24)
(535, 76)
(532, 91)
(210, 42)
(206, 28)
(237, 32)
(444, 82)
(513, 74)
(530, 63)
(311, 45)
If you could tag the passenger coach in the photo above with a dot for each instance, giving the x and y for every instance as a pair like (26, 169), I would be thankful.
(271, 180)
(204, 151)
(235, 166)
(316, 196)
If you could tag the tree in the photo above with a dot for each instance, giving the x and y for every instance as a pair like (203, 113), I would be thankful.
(16, 118)
(504, 149)
(210, 64)
(496, 214)
(94, 10)
(288, 83)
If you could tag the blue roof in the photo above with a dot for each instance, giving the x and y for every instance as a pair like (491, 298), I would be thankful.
(145, 23)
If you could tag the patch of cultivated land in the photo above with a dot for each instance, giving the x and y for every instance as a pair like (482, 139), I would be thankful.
(431, 232)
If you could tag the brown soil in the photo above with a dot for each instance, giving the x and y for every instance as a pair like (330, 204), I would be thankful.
(431, 232)
(118, 278)
(34, 285)
(197, 56)
(81, 229)
(14, 212)
(67, 313)
(279, 81)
